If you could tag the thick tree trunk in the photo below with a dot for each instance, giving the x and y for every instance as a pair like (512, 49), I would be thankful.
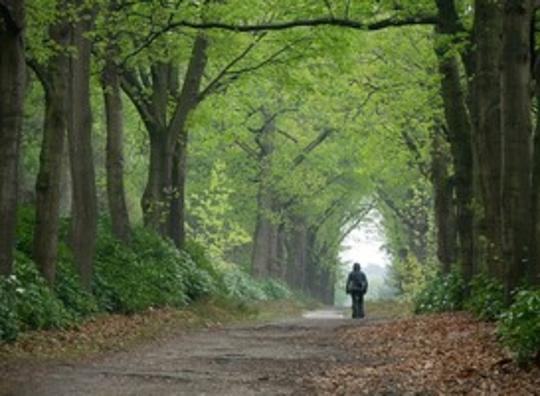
(310, 286)
(177, 204)
(115, 157)
(12, 81)
(297, 254)
(459, 135)
(516, 140)
(153, 201)
(66, 191)
(189, 99)
(48, 184)
(445, 211)
(535, 268)
(487, 134)
(84, 219)
(265, 239)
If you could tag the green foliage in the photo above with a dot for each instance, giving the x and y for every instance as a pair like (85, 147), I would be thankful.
(9, 321)
(276, 290)
(441, 293)
(28, 302)
(76, 300)
(25, 229)
(519, 326)
(410, 277)
(134, 278)
(240, 286)
(486, 297)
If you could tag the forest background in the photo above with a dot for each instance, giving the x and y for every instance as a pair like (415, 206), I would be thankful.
(153, 153)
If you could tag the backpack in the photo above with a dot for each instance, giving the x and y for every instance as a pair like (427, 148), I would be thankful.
(357, 282)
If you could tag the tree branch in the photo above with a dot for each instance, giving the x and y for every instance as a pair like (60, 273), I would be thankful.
(312, 146)
(322, 21)
(212, 85)
(251, 152)
(272, 26)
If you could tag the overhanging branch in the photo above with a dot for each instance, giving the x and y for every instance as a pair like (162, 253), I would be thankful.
(322, 21)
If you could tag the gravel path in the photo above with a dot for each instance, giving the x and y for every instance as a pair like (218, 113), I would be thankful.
(259, 359)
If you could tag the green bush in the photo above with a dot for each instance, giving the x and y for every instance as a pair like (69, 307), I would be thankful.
(28, 302)
(150, 272)
(37, 306)
(441, 293)
(486, 297)
(276, 290)
(9, 321)
(519, 326)
(240, 286)
(26, 220)
(78, 302)
(133, 278)
(147, 272)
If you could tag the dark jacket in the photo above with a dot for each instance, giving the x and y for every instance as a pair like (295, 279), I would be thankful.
(357, 282)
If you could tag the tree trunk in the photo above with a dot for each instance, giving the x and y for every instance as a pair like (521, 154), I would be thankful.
(516, 140)
(459, 137)
(297, 254)
(487, 134)
(153, 201)
(177, 203)
(115, 157)
(48, 183)
(445, 214)
(189, 99)
(84, 216)
(12, 81)
(535, 268)
(265, 239)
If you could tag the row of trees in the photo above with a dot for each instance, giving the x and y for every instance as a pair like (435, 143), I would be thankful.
(299, 119)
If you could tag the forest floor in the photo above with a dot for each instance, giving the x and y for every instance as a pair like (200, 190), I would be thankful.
(319, 352)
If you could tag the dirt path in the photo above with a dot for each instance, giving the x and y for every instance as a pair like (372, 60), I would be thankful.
(262, 359)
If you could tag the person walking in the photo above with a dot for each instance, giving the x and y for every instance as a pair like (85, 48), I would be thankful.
(357, 286)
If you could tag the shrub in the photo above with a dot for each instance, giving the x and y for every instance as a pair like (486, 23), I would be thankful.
(441, 293)
(240, 286)
(37, 306)
(136, 277)
(9, 321)
(150, 272)
(486, 298)
(26, 220)
(77, 301)
(276, 290)
(519, 326)
(28, 302)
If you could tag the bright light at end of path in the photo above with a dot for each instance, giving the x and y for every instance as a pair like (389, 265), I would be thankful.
(364, 245)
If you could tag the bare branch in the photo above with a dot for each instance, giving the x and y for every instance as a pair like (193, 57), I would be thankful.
(312, 146)
(134, 90)
(287, 135)
(322, 21)
(244, 146)
(212, 85)
(298, 23)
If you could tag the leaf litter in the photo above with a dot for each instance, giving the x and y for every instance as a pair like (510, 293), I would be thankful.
(439, 354)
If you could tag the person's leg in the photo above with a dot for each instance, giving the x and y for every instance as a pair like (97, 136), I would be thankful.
(361, 305)
(354, 305)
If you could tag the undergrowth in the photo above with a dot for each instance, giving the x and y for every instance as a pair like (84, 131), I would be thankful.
(149, 272)
(518, 324)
